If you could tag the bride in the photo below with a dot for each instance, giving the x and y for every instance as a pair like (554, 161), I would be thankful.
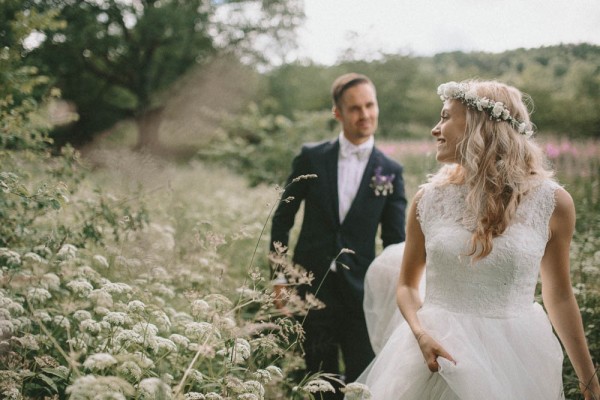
(485, 227)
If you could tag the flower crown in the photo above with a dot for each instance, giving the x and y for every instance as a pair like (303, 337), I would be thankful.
(496, 109)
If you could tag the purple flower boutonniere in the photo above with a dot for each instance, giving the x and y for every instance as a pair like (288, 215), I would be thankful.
(382, 184)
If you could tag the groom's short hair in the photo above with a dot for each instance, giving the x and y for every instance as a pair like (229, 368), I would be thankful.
(346, 81)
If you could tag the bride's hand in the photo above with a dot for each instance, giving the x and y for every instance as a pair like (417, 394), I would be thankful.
(431, 351)
(591, 392)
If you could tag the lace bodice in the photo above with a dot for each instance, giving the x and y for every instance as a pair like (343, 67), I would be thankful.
(503, 283)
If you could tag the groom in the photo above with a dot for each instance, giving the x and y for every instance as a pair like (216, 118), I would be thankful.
(357, 191)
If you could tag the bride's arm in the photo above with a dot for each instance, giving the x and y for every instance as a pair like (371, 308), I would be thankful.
(407, 295)
(559, 300)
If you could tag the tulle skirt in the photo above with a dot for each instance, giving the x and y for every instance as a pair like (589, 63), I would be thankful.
(516, 358)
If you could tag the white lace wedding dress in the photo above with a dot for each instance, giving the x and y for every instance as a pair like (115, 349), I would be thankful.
(483, 313)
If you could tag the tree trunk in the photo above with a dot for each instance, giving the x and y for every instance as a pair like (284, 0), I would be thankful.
(148, 124)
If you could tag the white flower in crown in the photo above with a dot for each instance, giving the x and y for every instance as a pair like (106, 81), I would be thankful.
(471, 96)
(497, 109)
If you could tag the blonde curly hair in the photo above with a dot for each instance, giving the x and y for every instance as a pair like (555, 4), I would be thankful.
(496, 163)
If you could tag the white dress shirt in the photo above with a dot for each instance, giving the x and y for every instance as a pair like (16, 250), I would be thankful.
(352, 161)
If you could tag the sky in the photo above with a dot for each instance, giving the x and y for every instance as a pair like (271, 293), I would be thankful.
(428, 27)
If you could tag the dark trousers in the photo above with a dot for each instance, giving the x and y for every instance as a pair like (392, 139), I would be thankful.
(330, 331)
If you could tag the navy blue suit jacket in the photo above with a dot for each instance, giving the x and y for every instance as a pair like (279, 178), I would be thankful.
(322, 236)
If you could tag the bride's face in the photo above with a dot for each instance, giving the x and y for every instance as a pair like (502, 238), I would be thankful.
(450, 131)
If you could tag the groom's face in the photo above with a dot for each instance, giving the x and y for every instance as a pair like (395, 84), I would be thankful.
(358, 112)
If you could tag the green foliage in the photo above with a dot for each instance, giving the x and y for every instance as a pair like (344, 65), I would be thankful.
(117, 60)
(564, 82)
(261, 146)
(22, 88)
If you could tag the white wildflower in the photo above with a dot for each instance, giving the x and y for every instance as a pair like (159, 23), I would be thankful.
(28, 342)
(248, 396)
(78, 343)
(143, 360)
(240, 351)
(248, 292)
(274, 370)
(200, 307)
(50, 281)
(42, 315)
(4, 301)
(213, 396)
(206, 351)
(234, 384)
(162, 321)
(225, 323)
(101, 311)
(99, 387)
(116, 318)
(200, 330)
(160, 274)
(116, 288)
(99, 361)
(62, 321)
(263, 375)
(101, 298)
(34, 258)
(194, 396)
(67, 251)
(80, 287)
(38, 295)
(145, 329)
(196, 376)
(153, 388)
(12, 393)
(15, 308)
(180, 340)
(219, 302)
(89, 325)
(13, 259)
(255, 387)
(167, 378)
(99, 261)
(87, 272)
(82, 315)
(356, 391)
(318, 385)
(165, 344)
(25, 323)
(130, 369)
(163, 290)
(181, 318)
(136, 307)
(126, 337)
(4, 314)
(6, 328)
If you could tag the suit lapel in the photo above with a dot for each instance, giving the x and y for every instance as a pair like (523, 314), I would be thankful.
(331, 170)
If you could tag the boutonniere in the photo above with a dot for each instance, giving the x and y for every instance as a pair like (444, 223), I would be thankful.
(382, 184)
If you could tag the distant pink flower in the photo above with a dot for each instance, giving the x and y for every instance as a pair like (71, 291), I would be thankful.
(552, 150)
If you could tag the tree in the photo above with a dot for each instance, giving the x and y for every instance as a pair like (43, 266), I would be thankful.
(116, 59)
(23, 90)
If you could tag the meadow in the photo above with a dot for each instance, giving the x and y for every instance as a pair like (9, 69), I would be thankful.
(134, 278)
